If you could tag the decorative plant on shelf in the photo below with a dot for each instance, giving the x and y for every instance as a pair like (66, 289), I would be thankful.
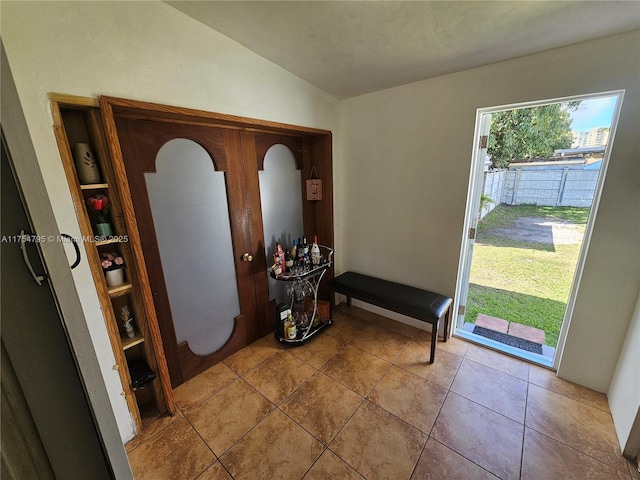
(127, 319)
(113, 264)
(112, 261)
(100, 206)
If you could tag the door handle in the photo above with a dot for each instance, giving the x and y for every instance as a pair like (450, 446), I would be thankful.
(38, 278)
(75, 246)
(247, 257)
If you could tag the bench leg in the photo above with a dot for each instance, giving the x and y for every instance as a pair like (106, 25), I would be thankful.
(348, 301)
(446, 324)
(434, 339)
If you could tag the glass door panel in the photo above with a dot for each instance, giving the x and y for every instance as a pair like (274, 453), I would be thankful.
(188, 199)
(281, 199)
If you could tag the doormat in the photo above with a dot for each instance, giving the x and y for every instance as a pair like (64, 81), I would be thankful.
(510, 340)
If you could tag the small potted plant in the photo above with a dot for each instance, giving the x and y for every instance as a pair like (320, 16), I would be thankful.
(113, 266)
(100, 206)
(127, 321)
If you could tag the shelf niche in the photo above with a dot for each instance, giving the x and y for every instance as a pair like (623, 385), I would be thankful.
(78, 120)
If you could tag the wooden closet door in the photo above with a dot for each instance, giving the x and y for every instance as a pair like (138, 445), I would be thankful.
(192, 207)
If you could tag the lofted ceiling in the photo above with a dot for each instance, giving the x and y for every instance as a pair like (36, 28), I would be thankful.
(349, 48)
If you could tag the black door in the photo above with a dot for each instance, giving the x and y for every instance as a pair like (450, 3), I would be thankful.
(37, 346)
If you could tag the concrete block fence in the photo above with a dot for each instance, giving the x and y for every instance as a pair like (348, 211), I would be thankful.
(550, 187)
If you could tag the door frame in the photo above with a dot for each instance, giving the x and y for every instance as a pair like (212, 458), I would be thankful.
(258, 136)
(470, 221)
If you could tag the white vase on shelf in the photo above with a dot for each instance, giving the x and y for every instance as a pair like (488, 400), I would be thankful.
(114, 277)
(86, 164)
(131, 333)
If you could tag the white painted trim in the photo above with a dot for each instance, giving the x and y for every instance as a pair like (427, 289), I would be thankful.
(571, 301)
(473, 198)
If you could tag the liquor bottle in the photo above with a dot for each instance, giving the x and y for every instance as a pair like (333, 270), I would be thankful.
(290, 330)
(280, 253)
(305, 252)
(315, 251)
(288, 259)
(300, 252)
(294, 249)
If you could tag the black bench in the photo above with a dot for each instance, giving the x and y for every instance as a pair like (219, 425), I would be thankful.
(410, 301)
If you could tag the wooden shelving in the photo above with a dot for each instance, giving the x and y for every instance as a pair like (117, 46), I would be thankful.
(131, 342)
(107, 241)
(78, 120)
(94, 186)
(120, 290)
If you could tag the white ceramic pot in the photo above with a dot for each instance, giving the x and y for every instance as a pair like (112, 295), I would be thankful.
(115, 277)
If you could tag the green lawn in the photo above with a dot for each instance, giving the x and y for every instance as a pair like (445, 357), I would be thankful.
(523, 281)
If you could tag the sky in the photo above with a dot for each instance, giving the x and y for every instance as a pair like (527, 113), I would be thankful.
(597, 112)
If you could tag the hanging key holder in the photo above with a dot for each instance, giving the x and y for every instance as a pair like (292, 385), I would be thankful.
(314, 186)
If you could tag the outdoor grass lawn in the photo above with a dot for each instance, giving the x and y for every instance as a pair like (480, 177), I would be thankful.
(523, 282)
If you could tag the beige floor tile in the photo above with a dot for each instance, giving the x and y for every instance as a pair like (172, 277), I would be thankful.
(548, 379)
(345, 328)
(150, 427)
(438, 462)
(569, 431)
(498, 391)
(415, 358)
(241, 407)
(582, 427)
(498, 361)
(545, 458)
(215, 472)
(279, 375)
(319, 350)
(453, 345)
(379, 445)
(409, 397)
(177, 453)
(277, 448)
(356, 369)
(322, 406)
(403, 328)
(361, 313)
(203, 386)
(380, 342)
(329, 467)
(488, 439)
(244, 360)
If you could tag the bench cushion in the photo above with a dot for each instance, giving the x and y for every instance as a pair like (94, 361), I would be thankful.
(410, 301)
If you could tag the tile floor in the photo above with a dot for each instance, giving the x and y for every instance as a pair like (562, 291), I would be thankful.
(361, 401)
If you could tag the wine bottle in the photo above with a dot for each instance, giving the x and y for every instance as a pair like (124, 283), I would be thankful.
(305, 252)
(300, 252)
(288, 259)
(315, 251)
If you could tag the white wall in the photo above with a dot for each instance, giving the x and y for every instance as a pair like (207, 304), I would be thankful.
(624, 392)
(145, 51)
(405, 160)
